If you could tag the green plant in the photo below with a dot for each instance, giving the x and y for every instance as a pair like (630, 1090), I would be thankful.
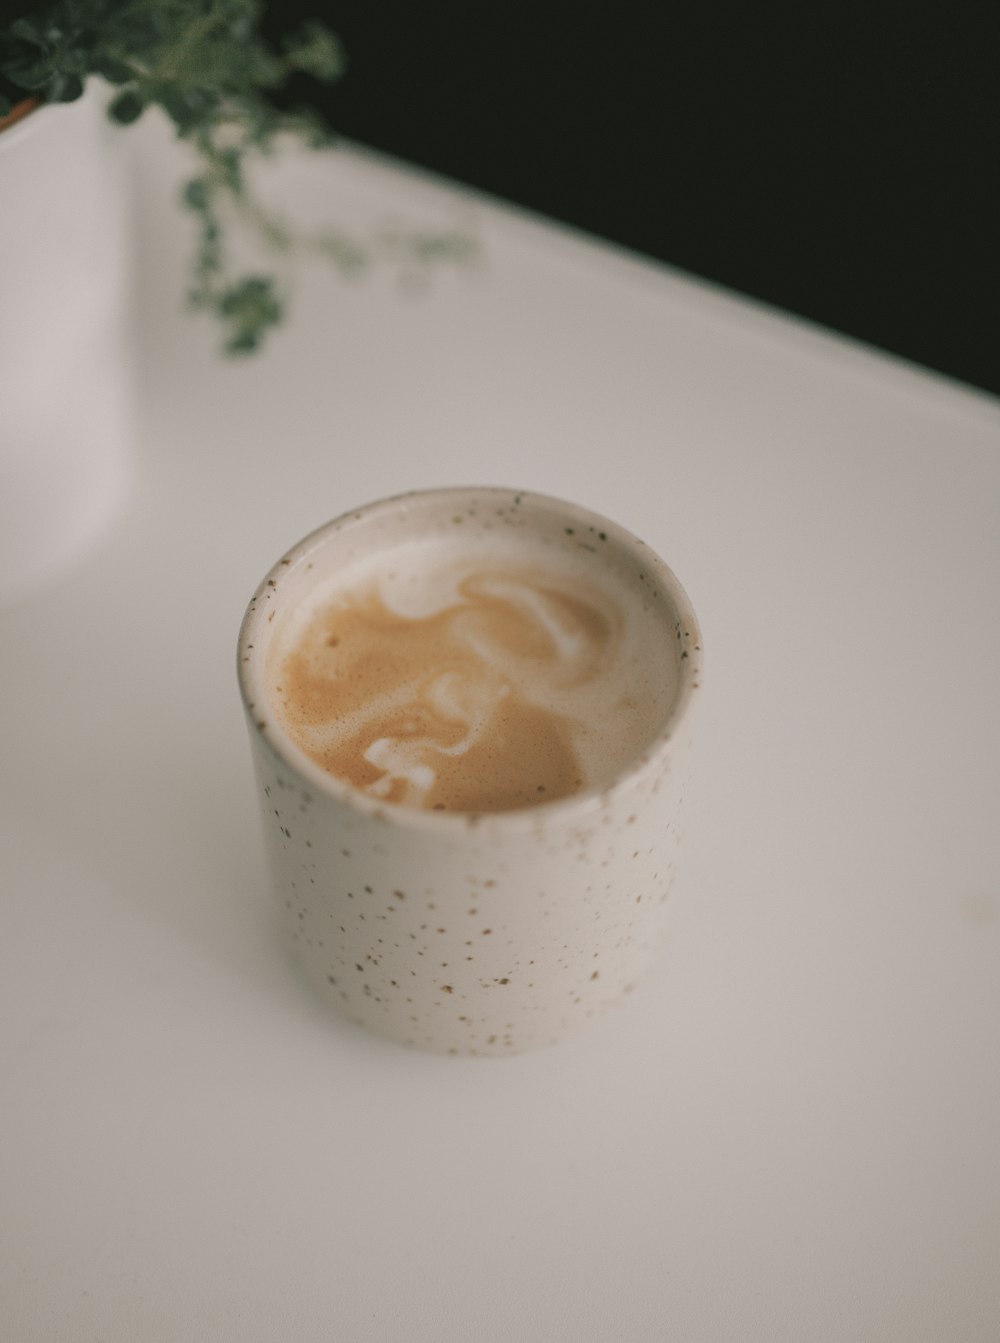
(206, 64)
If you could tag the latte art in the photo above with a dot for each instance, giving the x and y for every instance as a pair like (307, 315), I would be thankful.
(472, 684)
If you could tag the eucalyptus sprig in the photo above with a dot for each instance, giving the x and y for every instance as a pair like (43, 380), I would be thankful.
(206, 64)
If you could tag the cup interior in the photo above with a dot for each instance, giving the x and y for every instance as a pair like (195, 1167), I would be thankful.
(565, 531)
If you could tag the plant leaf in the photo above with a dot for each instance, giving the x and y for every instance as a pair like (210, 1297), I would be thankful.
(126, 107)
(64, 87)
(316, 51)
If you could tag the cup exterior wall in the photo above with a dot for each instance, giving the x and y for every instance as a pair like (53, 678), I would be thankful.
(482, 937)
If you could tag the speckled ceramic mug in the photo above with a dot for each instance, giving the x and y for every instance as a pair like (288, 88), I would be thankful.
(472, 933)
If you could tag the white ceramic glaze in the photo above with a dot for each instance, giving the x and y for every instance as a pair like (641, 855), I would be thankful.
(65, 405)
(460, 933)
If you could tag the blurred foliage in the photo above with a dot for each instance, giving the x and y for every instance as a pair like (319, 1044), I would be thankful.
(207, 65)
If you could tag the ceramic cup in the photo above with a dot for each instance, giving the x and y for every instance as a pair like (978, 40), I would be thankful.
(471, 933)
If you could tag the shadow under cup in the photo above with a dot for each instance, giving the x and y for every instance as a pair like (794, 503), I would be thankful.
(473, 932)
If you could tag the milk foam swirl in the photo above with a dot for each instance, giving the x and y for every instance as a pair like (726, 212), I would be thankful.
(470, 683)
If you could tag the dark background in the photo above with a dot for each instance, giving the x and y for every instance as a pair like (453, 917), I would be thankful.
(836, 160)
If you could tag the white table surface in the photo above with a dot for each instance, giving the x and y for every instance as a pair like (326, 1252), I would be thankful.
(791, 1131)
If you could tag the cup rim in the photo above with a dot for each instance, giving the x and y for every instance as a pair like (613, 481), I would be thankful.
(264, 722)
